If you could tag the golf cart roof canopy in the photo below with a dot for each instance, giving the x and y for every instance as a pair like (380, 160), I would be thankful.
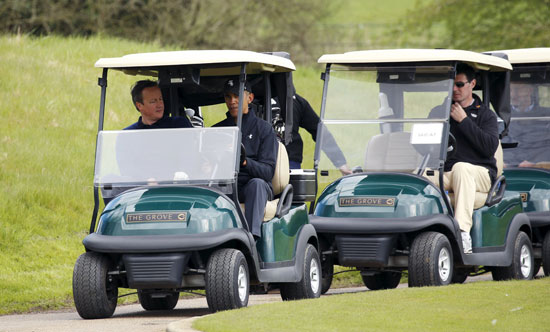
(527, 55)
(476, 60)
(144, 63)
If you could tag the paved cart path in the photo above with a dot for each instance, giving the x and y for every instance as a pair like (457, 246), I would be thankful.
(132, 318)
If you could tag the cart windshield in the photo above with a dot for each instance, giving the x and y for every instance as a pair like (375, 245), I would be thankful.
(530, 118)
(384, 119)
(127, 158)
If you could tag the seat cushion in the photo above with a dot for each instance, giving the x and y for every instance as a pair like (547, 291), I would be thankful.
(282, 171)
(270, 209)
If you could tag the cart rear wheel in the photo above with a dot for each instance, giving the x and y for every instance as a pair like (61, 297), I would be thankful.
(459, 276)
(152, 301)
(523, 263)
(95, 293)
(546, 254)
(382, 280)
(430, 260)
(310, 285)
(227, 280)
(327, 268)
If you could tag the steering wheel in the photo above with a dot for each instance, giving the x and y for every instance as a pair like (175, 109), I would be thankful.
(451, 145)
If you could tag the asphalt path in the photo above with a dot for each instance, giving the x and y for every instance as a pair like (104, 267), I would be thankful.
(133, 318)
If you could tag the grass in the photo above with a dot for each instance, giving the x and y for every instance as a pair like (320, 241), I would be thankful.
(481, 306)
(49, 104)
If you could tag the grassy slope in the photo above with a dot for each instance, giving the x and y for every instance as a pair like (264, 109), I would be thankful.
(49, 103)
(481, 306)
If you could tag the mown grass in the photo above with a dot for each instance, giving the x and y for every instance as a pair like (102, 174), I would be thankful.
(481, 306)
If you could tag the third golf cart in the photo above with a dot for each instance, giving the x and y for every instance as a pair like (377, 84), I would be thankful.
(527, 144)
(388, 217)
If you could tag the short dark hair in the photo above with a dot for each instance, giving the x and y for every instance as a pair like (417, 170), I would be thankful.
(465, 69)
(137, 90)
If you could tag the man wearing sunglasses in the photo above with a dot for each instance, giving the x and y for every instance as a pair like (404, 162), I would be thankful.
(473, 167)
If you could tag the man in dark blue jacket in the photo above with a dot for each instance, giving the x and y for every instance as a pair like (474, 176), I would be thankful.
(473, 167)
(147, 99)
(260, 142)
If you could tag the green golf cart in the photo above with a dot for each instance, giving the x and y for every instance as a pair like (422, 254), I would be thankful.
(389, 216)
(527, 144)
(172, 220)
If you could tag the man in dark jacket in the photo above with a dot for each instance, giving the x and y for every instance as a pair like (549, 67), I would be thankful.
(147, 99)
(473, 167)
(261, 146)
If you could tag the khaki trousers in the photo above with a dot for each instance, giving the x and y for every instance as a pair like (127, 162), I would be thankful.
(464, 180)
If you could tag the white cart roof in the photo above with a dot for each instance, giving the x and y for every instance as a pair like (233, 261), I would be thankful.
(476, 60)
(258, 62)
(527, 55)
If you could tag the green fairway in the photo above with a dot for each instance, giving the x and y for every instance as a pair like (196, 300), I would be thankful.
(482, 306)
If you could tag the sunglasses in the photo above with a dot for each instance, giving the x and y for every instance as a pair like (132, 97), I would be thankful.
(460, 84)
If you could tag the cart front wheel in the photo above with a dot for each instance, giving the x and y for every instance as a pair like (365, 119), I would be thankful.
(430, 260)
(227, 280)
(95, 293)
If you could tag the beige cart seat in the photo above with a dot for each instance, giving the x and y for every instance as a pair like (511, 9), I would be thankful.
(392, 152)
(281, 186)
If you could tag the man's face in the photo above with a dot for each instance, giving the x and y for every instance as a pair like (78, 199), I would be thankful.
(232, 102)
(464, 93)
(152, 108)
(521, 95)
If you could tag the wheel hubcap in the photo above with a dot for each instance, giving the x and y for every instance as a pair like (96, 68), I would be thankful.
(314, 276)
(444, 265)
(525, 261)
(242, 283)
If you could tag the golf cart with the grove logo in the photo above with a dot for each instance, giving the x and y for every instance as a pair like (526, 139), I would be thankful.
(389, 216)
(172, 220)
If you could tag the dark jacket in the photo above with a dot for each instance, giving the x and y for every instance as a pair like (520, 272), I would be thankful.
(166, 122)
(261, 146)
(476, 138)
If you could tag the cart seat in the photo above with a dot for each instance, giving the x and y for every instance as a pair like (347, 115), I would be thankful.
(497, 189)
(392, 152)
(281, 188)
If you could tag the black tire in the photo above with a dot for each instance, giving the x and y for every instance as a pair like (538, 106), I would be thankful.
(327, 272)
(382, 280)
(459, 276)
(523, 263)
(310, 285)
(149, 301)
(430, 260)
(546, 254)
(227, 280)
(95, 294)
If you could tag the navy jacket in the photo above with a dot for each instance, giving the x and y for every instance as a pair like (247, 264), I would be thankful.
(476, 138)
(166, 122)
(260, 142)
